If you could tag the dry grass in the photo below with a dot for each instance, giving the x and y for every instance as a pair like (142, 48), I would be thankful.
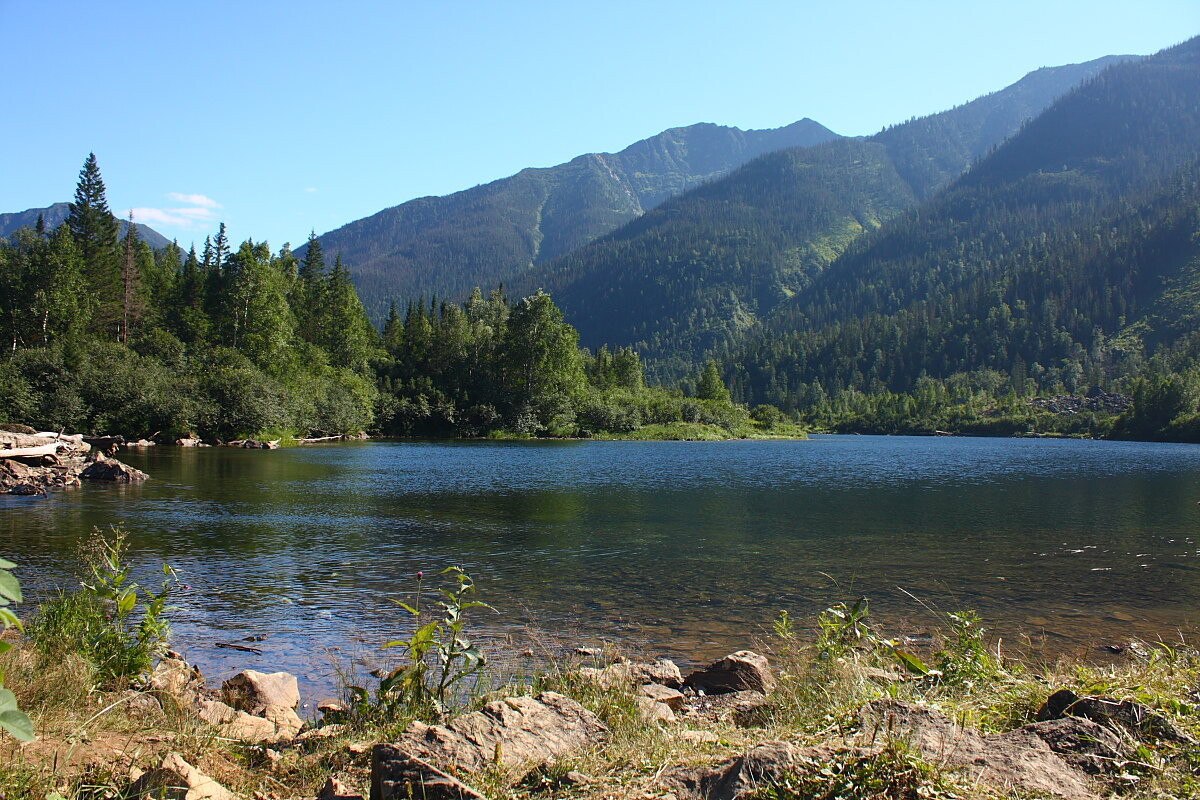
(89, 740)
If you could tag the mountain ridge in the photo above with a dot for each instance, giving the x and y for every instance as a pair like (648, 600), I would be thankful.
(488, 234)
(56, 214)
(682, 280)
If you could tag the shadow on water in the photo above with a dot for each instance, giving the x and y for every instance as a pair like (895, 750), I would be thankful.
(686, 549)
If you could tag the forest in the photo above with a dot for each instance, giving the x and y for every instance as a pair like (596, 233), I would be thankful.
(103, 334)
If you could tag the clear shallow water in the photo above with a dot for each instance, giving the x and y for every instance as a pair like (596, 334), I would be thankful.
(685, 549)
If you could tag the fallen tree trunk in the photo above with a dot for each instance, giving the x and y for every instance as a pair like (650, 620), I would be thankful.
(25, 452)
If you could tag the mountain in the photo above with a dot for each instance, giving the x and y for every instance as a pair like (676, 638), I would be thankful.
(446, 246)
(1065, 258)
(687, 278)
(56, 215)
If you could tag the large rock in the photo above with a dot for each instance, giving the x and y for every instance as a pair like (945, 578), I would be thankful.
(176, 680)
(1016, 761)
(254, 692)
(518, 733)
(109, 469)
(671, 698)
(176, 779)
(1139, 720)
(276, 724)
(764, 765)
(398, 775)
(1085, 745)
(629, 674)
(741, 671)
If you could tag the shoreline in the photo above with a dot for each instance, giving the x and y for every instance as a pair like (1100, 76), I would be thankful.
(795, 710)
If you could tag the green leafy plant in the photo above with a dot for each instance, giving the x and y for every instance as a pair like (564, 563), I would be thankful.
(12, 719)
(964, 658)
(439, 656)
(843, 627)
(118, 625)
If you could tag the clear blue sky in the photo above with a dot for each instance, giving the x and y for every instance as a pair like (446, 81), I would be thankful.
(281, 117)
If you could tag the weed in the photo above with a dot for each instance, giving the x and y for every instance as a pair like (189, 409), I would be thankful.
(119, 626)
(441, 660)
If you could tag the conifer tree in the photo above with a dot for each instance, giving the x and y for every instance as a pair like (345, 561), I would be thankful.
(95, 229)
(131, 281)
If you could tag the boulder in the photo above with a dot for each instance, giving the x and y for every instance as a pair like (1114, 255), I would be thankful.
(1018, 761)
(768, 763)
(398, 775)
(1085, 745)
(518, 733)
(176, 679)
(188, 441)
(254, 692)
(176, 779)
(109, 469)
(740, 671)
(652, 712)
(671, 698)
(663, 672)
(276, 724)
(1139, 720)
(108, 445)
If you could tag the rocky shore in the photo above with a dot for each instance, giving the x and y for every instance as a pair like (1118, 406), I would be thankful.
(33, 463)
(532, 741)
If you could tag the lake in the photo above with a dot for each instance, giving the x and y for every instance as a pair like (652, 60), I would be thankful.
(683, 549)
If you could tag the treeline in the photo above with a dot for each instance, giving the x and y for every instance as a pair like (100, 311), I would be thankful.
(104, 334)
(107, 335)
(488, 366)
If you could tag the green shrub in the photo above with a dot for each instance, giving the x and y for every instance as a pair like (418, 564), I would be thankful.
(440, 658)
(115, 624)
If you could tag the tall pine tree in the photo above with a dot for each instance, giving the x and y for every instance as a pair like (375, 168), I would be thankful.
(95, 229)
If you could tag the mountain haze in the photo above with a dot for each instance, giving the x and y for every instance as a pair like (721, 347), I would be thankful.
(445, 246)
(56, 215)
(687, 277)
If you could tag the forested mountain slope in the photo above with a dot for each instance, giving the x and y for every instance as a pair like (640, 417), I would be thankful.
(686, 278)
(56, 214)
(1059, 259)
(445, 246)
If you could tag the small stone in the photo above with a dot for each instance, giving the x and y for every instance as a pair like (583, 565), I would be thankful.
(176, 779)
(336, 790)
(699, 737)
(576, 778)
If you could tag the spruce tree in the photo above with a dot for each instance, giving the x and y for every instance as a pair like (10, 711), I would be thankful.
(131, 281)
(94, 230)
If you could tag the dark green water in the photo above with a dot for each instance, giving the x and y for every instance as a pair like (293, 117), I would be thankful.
(676, 548)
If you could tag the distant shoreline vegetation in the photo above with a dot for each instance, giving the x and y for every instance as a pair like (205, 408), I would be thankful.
(106, 335)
